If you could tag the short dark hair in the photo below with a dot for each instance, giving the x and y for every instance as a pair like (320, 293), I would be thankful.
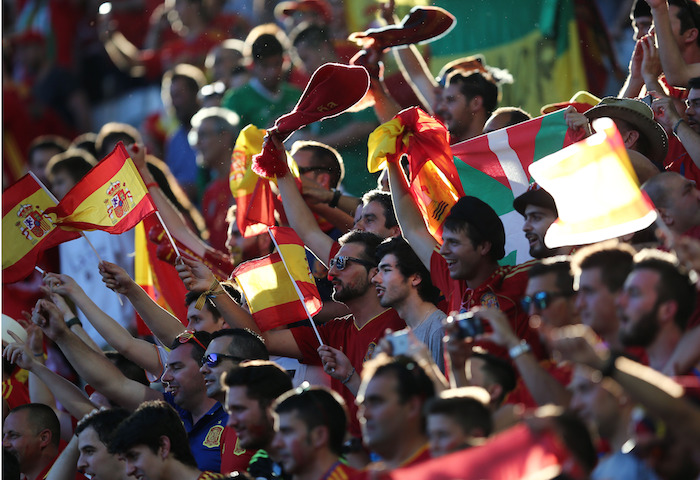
(312, 33)
(409, 264)
(104, 422)
(244, 344)
(517, 115)
(46, 142)
(476, 83)
(197, 351)
(265, 41)
(384, 198)
(86, 141)
(411, 379)
(264, 380)
(112, 133)
(41, 417)
(370, 241)
(643, 143)
(76, 163)
(688, 15)
(465, 409)
(674, 283)
(559, 266)
(324, 157)
(152, 420)
(193, 76)
(694, 83)
(498, 370)
(318, 406)
(193, 295)
(614, 260)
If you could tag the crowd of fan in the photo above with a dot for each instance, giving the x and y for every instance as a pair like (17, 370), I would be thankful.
(427, 349)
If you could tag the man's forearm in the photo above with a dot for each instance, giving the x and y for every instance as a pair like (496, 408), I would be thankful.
(64, 391)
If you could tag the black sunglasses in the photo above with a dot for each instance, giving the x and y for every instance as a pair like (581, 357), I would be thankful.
(213, 359)
(303, 170)
(341, 261)
(541, 299)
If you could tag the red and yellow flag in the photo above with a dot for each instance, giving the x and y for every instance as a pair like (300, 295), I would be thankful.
(111, 197)
(275, 284)
(254, 199)
(433, 179)
(27, 230)
(599, 170)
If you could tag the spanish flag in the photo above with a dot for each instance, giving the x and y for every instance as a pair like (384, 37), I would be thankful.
(111, 197)
(254, 199)
(27, 230)
(434, 183)
(275, 285)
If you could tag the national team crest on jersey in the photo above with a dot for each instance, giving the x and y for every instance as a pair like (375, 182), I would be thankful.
(489, 300)
(370, 351)
(33, 223)
(213, 438)
(120, 201)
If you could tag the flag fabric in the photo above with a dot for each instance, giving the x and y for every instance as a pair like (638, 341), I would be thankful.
(599, 170)
(27, 230)
(494, 168)
(158, 278)
(540, 46)
(268, 288)
(255, 210)
(111, 197)
(433, 180)
(514, 453)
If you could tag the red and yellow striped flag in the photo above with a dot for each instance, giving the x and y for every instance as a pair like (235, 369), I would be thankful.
(268, 283)
(27, 230)
(111, 197)
(598, 170)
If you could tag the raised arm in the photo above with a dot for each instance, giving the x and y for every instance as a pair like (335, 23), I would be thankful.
(409, 217)
(138, 351)
(298, 213)
(94, 368)
(196, 276)
(677, 71)
(666, 114)
(162, 323)
(65, 466)
(70, 396)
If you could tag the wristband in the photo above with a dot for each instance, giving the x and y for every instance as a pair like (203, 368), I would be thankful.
(609, 366)
(347, 379)
(73, 321)
(151, 184)
(519, 349)
(42, 354)
(336, 198)
(214, 290)
(677, 124)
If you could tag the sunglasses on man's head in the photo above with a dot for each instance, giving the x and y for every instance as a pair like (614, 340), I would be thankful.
(214, 359)
(188, 335)
(341, 261)
(541, 300)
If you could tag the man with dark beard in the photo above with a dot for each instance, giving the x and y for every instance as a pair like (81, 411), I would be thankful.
(657, 300)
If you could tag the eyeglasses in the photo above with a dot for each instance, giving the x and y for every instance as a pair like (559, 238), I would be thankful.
(694, 103)
(303, 170)
(214, 359)
(541, 299)
(340, 262)
(188, 335)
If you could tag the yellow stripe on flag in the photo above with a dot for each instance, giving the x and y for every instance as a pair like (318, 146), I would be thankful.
(267, 286)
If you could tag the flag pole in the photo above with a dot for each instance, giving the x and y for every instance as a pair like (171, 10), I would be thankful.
(53, 197)
(296, 287)
(38, 269)
(167, 232)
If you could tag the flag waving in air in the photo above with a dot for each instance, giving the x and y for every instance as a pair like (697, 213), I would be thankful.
(494, 168)
(27, 230)
(268, 283)
(111, 197)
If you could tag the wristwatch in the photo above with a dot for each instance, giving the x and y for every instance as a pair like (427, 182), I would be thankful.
(519, 349)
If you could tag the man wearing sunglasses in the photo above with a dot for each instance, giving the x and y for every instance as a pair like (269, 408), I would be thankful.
(228, 348)
(203, 417)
